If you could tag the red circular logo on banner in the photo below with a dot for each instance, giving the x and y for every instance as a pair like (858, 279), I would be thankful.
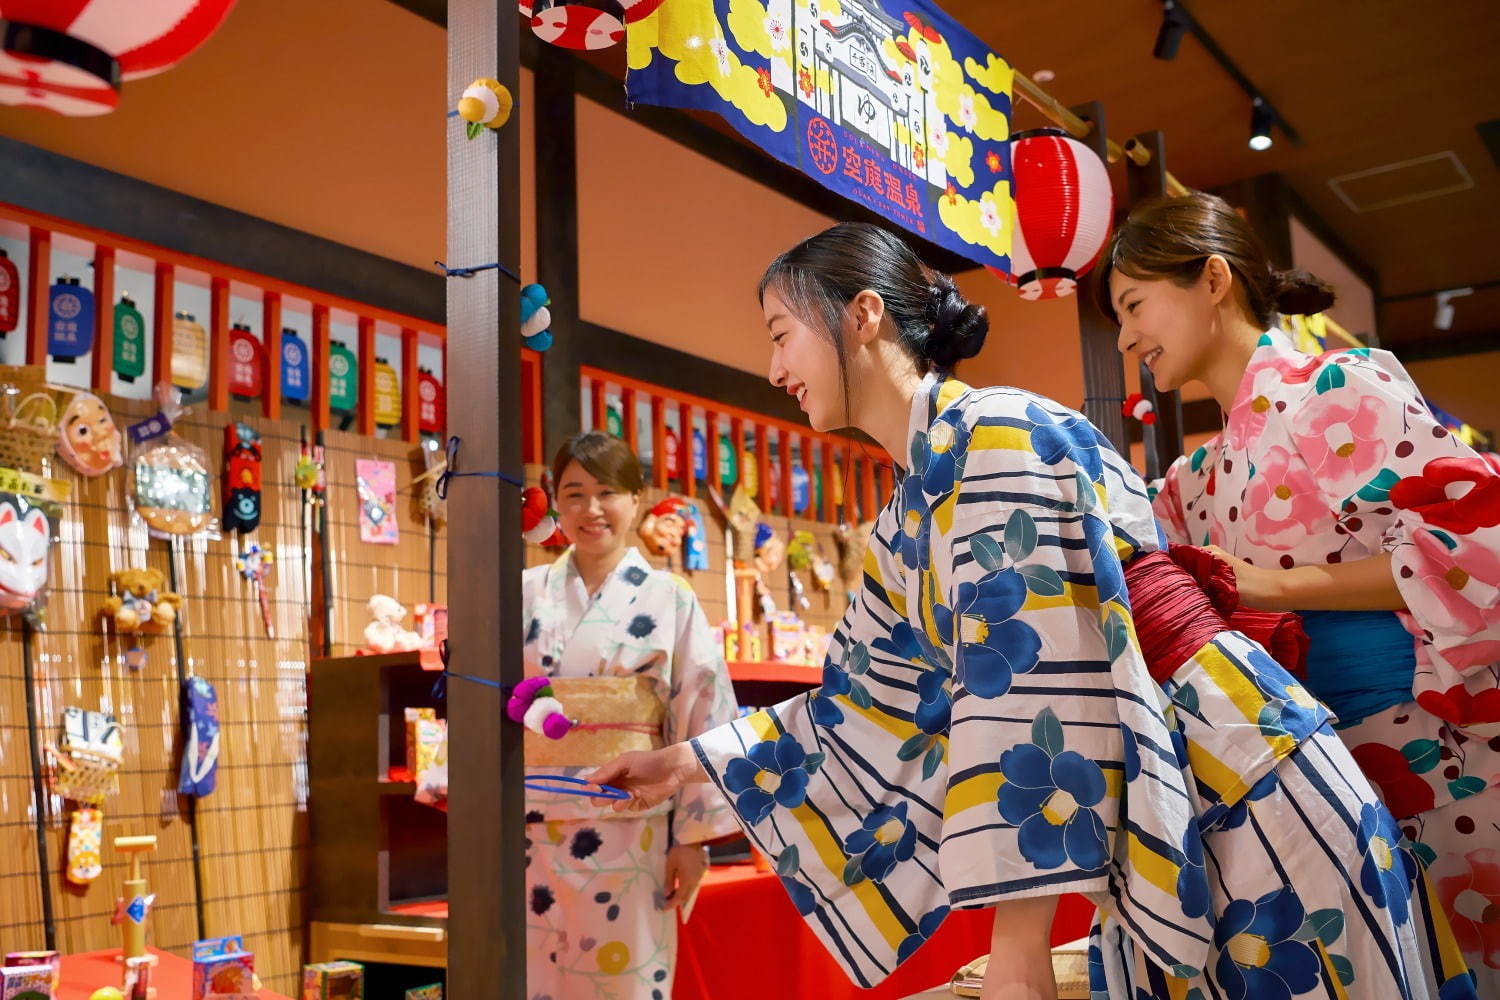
(822, 146)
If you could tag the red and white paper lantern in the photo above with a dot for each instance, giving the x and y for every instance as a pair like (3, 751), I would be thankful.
(72, 57)
(1064, 207)
(247, 362)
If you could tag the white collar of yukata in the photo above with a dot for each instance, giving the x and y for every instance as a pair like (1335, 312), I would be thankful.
(632, 557)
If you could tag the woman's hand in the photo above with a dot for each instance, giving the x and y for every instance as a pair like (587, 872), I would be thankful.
(1259, 588)
(686, 865)
(1020, 966)
(650, 776)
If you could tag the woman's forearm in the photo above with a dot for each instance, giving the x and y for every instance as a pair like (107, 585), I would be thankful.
(1020, 966)
(1362, 585)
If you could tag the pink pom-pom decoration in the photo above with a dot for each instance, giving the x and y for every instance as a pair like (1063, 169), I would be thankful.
(533, 705)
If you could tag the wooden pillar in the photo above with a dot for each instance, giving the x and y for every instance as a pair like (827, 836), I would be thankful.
(270, 332)
(557, 239)
(598, 405)
(364, 392)
(218, 344)
(1163, 439)
(411, 385)
(38, 301)
(486, 800)
(711, 450)
(830, 511)
(658, 443)
(763, 466)
(320, 346)
(1103, 369)
(103, 367)
(629, 430)
(685, 451)
(784, 452)
(737, 442)
(163, 314)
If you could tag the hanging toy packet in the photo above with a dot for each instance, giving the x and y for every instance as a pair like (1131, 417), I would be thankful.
(171, 489)
(200, 752)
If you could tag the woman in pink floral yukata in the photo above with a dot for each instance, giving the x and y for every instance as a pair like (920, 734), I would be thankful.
(1332, 491)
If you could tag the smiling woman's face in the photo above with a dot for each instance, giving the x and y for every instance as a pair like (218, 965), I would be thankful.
(596, 516)
(805, 363)
(1164, 325)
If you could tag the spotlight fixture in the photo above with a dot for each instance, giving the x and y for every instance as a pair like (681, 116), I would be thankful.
(1443, 319)
(1261, 120)
(1174, 24)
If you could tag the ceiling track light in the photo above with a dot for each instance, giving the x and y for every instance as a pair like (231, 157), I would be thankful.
(1173, 26)
(1262, 119)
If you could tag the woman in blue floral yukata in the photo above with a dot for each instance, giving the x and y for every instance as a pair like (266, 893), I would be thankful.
(989, 733)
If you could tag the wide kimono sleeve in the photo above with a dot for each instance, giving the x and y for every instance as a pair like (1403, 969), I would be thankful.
(971, 742)
(1395, 474)
(701, 698)
(1166, 503)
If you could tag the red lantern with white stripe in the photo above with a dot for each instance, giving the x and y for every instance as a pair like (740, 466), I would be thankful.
(72, 57)
(1064, 208)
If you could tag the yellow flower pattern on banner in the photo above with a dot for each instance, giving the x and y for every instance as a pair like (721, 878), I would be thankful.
(751, 24)
(996, 76)
(688, 32)
(985, 221)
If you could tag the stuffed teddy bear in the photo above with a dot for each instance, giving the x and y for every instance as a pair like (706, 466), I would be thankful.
(386, 632)
(139, 600)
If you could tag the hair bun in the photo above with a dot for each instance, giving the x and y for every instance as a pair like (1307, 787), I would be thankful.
(958, 326)
(1298, 293)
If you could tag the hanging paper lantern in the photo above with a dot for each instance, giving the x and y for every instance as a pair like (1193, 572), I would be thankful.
(247, 362)
(613, 423)
(750, 476)
(432, 406)
(10, 294)
(800, 489)
(70, 320)
(189, 352)
(72, 57)
(700, 455)
(343, 380)
(726, 461)
(130, 340)
(296, 375)
(1064, 206)
(673, 454)
(387, 394)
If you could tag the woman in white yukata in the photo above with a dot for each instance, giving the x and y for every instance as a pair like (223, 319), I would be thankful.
(988, 734)
(630, 645)
(1338, 495)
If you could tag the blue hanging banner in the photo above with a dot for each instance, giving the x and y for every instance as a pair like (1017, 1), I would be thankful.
(800, 489)
(296, 369)
(890, 103)
(70, 320)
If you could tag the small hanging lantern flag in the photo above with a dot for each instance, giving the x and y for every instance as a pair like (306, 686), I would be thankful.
(343, 378)
(130, 340)
(70, 320)
(1064, 206)
(700, 455)
(296, 376)
(727, 463)
(189, 352)
(247, 362)
(432, 406)
(10, 294)
(673, 454)
(613, 423)
(387, 394)
(801, 489)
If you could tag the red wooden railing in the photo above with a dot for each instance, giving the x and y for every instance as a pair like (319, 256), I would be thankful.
(856, 477)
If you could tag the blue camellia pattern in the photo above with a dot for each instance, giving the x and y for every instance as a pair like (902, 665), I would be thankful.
(1388, 869)
(885, 838)
(771, 774)
(1260, 957)
(1049, 793)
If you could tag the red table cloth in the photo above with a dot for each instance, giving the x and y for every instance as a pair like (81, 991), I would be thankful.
(85, 972)
(746, 941)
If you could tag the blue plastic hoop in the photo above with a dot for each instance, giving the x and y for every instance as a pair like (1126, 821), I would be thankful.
(537, 783)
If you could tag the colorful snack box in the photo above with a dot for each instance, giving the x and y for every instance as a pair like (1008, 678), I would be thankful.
(52, 958)
(333, 981)
(432, 991)
(223, 969)
(26, 982)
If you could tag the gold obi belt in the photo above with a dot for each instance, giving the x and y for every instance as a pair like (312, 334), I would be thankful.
(611, 716)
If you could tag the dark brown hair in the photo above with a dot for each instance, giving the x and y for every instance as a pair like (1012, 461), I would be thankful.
(820, 276)
(604, 456)
(1173, 238)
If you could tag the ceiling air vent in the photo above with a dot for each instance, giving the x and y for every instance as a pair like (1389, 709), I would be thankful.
(1399, 183)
